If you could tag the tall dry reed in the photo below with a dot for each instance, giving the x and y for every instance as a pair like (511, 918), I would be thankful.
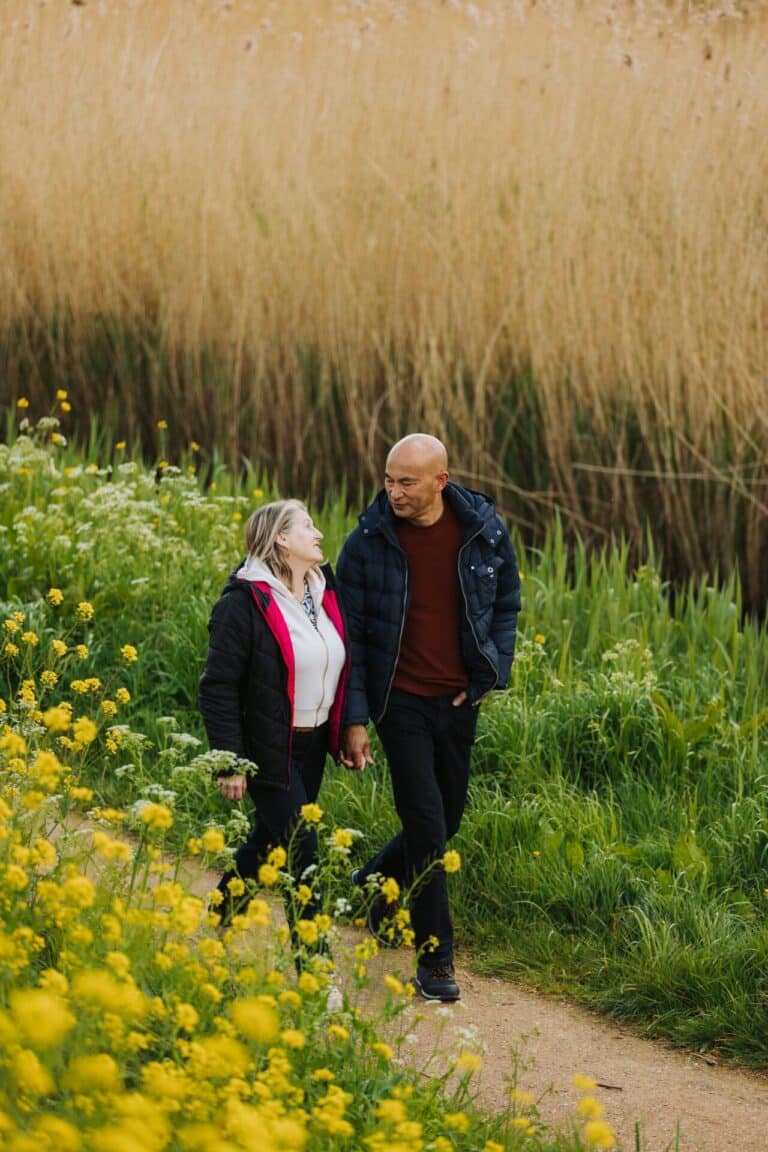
(298, 230)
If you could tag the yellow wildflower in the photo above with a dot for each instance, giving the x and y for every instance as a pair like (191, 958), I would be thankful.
(123, 695)
(391, 1111)
(523, 1124)
(42, 1018)
(341, 838)
(59, 647)
(277, 857)
(55, 1132)
(84, 730)
(85, 611)
(307, 932)
(129, 653)
(93, 1073)
(213, 840)
(312, 813)
(111, 849)
(599, 1134)
(589, 1108)
(80, 793)
(293, 1038)
(156, 816)
(187, 1017)
(452, 861)
(30, 1075)
(583, 1083)
(268, 875)
(256, 1020)
(457, 1120)
(13, 744)
(468, 1062)
(390, 890)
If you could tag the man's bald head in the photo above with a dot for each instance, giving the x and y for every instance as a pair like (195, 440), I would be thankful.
(415, 475)
(422, 449)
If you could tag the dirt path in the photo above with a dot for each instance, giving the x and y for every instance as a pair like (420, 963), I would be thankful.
(715, 1109)
(670, 1094)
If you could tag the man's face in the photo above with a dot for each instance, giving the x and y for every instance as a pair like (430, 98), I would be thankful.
(414, 488)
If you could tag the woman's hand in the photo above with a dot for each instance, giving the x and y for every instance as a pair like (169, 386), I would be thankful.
(233, 787)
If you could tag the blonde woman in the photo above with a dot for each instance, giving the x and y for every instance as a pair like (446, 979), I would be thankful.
(273, 687)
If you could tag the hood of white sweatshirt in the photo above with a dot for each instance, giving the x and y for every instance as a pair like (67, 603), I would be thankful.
(256, 570)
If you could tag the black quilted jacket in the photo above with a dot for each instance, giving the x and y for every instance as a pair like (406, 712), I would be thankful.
(372, 571)
(245, 689)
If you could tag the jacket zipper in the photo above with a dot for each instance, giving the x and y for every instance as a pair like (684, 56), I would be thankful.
(322, 678)
(399, 638)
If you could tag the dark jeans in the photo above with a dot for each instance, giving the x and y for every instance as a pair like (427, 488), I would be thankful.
(277, 823)
(428, 745)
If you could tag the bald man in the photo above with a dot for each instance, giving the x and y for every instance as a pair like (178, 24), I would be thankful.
(431, 589)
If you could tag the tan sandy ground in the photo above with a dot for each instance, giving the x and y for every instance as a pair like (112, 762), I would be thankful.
(673, 1095)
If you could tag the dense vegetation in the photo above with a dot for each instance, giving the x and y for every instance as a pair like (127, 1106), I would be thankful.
(128, 1023)
(617, 840)
(295, 231)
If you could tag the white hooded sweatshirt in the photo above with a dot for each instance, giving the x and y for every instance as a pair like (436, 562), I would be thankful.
(318, 651)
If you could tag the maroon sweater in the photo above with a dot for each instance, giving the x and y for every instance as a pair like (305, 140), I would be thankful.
(430, 662)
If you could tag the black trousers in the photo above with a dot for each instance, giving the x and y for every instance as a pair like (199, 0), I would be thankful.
(277, 823)
(428, 745)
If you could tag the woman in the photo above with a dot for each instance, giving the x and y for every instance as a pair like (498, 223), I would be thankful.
(272, 689)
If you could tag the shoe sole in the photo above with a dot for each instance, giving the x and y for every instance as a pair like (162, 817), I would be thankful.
(443, 999)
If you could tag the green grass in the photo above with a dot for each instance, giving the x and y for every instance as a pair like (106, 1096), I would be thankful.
(616, 842)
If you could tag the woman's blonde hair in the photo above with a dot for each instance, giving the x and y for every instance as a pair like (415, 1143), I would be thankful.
(262, 530)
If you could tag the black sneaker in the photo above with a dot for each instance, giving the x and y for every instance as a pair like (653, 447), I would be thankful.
(438, 983)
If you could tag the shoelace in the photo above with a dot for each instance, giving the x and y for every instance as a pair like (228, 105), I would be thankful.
(442, 972)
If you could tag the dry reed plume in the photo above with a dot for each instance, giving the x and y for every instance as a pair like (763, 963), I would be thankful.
(297, 230)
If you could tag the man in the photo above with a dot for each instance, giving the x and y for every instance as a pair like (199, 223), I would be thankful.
(432, 592)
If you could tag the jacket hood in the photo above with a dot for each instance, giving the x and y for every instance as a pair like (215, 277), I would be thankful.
(255, 571)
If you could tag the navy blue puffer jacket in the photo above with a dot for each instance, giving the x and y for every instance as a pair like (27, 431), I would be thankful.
(373, 576)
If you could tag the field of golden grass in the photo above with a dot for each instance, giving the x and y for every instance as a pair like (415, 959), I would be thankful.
(297, 230)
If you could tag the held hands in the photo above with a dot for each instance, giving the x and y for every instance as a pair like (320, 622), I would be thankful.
(356, 748)
(232, 787)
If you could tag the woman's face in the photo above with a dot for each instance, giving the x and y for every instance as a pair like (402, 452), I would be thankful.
(300, 541)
